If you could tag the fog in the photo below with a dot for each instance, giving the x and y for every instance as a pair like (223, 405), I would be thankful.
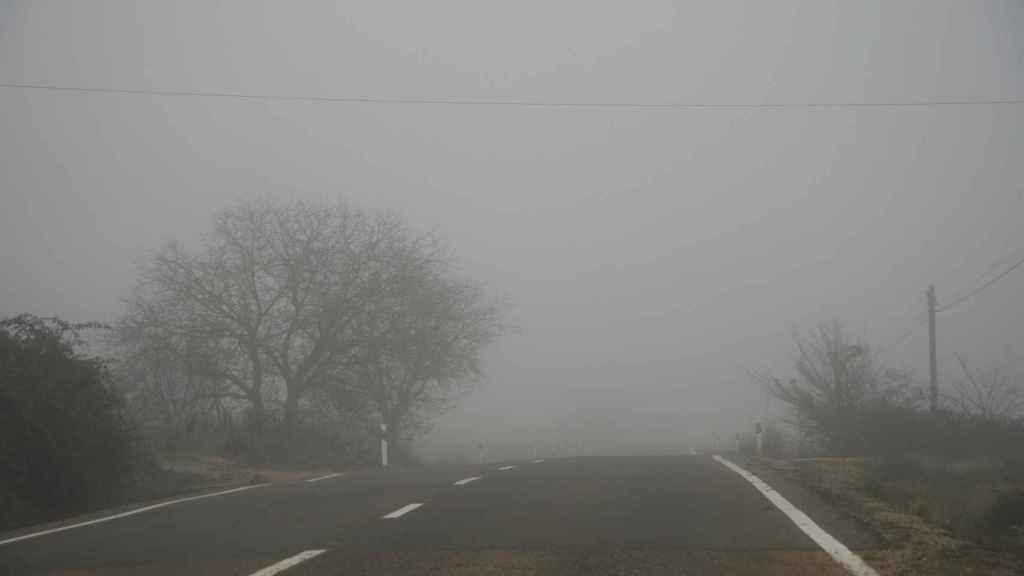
(650, 256)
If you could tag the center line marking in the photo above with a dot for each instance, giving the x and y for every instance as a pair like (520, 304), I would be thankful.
(506, 467)
(128, 513)
(288, 563)
(834, 548)
(465, 481)
(327, 477)
(403, 510)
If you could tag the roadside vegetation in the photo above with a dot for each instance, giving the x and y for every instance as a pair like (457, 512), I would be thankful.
(65, 433)
(284, 338)
(960, 467)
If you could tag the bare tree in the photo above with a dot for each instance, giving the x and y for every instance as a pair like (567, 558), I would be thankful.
(286, 299)
(220, 299)
(325, 262)
(166, 379)
(988, 395)
(838, 385)
(423, 346)
(269, 297)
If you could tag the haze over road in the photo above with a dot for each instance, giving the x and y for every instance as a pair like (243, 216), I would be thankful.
(643, 515)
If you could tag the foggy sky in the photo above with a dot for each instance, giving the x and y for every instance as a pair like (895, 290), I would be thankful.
(650, 256)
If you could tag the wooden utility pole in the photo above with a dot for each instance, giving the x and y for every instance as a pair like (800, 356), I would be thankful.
(932, 368)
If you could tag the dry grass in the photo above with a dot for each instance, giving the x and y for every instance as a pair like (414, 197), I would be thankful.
(915, 545)
(973, 498)
(216, 471)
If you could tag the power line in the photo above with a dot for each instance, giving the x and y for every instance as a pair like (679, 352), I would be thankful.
(908, 332)
(987, 273)
(918, 318)
(955, 302)
(977, 290)
(920, 322)
(516, 102)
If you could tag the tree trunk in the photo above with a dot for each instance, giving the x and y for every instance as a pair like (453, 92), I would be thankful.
(255, 394)
(291, 410)
(259, 413)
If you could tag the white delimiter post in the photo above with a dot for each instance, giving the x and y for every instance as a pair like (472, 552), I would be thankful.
(383, 444)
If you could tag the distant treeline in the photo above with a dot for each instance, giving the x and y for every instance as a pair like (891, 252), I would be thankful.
(287, 336)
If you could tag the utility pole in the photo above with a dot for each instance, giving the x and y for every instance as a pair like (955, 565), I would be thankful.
(932, 368)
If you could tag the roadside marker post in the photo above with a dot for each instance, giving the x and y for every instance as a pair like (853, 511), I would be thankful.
(383, 444)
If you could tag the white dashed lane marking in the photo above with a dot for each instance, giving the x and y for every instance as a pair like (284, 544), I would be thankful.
(288, 563)
(327, 477)
(465, 481)
(538, 461)
(403, 510)
(506, 467)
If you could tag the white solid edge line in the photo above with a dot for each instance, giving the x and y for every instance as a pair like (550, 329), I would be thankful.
(327, 477)
(404, 510)
(465, 481)
(834, 548)
(287, 563)
(128, 513)
(506, 467)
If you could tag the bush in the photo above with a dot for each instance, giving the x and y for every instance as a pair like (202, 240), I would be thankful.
(1005, 518)
(65, 442)
(964, 474)
(841, 391)
(891, 431)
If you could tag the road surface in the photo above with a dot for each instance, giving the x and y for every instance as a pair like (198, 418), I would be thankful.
(585, 516)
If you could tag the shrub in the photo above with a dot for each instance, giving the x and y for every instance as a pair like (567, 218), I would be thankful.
(1004, 520)
(65, 442)
(841, 393)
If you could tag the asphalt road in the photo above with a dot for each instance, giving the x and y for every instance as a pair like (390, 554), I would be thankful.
(586, 516)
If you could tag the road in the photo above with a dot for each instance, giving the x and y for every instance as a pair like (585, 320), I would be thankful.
(586, 516)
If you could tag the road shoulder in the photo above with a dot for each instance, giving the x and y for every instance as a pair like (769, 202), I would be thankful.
(908, 544)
